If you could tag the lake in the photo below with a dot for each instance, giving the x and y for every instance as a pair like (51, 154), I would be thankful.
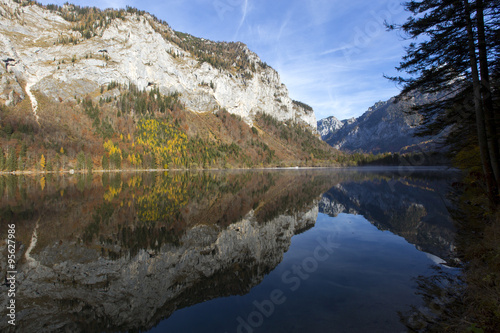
(315, 250)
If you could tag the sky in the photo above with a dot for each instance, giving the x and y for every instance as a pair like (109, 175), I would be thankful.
(331, 54)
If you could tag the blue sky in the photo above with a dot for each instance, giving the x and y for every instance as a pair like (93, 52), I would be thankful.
(331, 54)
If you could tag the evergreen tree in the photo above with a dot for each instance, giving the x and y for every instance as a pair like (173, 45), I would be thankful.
(458, 49)
(8, 129)
(24, 150)
(2, 160)
(105, 162)
(89, 163)
(58, 161)
(20, 164)
(80, 161)
(11, 160)
(49, 166)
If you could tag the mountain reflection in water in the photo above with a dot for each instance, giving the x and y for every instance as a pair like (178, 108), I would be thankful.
(123, 252)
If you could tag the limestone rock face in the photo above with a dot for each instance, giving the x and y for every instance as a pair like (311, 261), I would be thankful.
(38, 56)
(329, 125)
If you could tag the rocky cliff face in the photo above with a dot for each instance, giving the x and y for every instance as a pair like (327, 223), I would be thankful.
(384, 127)
(48, 52)
(329, 125)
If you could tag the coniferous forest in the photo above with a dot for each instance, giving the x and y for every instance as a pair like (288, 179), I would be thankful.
(455, 51)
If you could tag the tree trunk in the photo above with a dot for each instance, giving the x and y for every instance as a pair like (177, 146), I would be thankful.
(492, 189)
(486, 94)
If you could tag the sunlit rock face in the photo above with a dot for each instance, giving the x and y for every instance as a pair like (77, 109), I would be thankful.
(329, 125)
(134, 49)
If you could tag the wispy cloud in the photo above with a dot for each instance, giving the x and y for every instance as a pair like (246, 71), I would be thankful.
(244, 9)
(335, 50)
(284, 24)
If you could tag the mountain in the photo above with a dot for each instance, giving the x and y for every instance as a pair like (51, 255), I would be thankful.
(71, 70)
(45, 49)
(329, 125)
(384, 127)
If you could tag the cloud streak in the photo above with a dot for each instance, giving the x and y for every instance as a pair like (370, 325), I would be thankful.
(315, 64)
(244, 9)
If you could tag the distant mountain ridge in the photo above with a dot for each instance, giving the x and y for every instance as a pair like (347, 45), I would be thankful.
(329, 125)
(385, 127)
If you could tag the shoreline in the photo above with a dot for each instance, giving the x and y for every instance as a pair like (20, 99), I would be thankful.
(365, 167)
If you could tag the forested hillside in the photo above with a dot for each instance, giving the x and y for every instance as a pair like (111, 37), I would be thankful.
(147, 130)
(88, 89)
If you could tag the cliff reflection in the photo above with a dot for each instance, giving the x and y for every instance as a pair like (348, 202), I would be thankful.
(121, 252)
(412, 206)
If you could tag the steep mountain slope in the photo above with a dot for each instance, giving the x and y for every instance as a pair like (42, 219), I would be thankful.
(83, 88)
(44, 51)
(384, 127)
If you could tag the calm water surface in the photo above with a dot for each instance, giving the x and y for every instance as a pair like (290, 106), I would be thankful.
(254, 251)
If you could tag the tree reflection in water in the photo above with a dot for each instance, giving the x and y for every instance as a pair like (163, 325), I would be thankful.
(124, 251)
